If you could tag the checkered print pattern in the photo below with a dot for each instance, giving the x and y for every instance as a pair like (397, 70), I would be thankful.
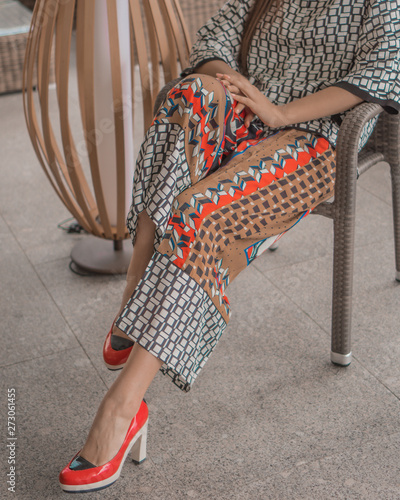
(171, 316)
(162, 172)
(311, 45)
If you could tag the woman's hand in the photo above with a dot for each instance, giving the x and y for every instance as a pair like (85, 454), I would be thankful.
(327, 102)
(252, 101)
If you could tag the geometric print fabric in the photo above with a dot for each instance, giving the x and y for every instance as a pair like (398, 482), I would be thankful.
(187, 128)
(171, 316)
(255, 196)
(234, 193)
(309, 46)
(161, 174)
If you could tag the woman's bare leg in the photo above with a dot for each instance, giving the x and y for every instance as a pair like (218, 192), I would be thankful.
(122, 401)
(142, 252)
(119, 406)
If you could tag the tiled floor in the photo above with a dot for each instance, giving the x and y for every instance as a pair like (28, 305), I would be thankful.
(268, 418)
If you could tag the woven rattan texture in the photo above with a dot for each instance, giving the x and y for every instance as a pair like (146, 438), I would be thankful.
(12, 51)
(14, 27)
(197, 13)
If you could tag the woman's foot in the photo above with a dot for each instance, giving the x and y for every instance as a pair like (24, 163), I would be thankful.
(117, 345)
(124, 397)
(102, 470)
(116, 332)
(107, 433)
(116, 350)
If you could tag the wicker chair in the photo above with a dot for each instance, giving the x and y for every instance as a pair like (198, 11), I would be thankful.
(383, 145)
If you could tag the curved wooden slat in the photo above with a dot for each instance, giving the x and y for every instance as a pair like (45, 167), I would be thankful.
(79, 31)
(49, 144)
(154, 52)
(118, 107)
(39, 21)
(178, 33)
(72, 163)
(157, 24)
(143, 61)
(182, 30)
(55, 158)
(159, 40)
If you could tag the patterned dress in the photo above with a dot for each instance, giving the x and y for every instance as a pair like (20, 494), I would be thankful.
(220, 193)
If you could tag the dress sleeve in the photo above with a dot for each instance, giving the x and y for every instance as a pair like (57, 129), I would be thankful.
(221, 36)
(375, 73)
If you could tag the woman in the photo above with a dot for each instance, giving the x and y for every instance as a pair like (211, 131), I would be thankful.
(238, 153)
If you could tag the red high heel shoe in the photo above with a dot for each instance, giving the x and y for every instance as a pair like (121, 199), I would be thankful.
(82, 476)
(116, 351)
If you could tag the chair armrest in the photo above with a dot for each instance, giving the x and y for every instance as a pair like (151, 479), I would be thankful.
(347, 160)
(350, 132)
(163, 94)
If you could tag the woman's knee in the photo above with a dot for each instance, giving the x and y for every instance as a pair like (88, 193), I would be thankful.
(207, 82)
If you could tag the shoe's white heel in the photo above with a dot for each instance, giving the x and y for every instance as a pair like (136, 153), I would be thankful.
(138, 451)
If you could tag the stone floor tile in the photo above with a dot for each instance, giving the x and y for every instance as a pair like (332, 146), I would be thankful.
(376, 313)
(56, 399)
(3, 227)
(89, 304)
(220, 441)
(32, 325)
(377, 182)
(365, 472)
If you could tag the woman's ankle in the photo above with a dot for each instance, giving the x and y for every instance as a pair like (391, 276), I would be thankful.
(108, 432)
(128, 292)
(120, 405)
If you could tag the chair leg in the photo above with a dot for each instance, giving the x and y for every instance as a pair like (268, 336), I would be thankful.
(392, 153)
(396, 216)
(344, 208)
(342, 292)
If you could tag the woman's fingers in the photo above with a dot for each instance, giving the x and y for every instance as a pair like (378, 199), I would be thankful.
(242, 92)
(242, 99)
(229, 86)
(254, 102)
(249, 118)
(240, 82)
(239, 108)
(233, 89)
